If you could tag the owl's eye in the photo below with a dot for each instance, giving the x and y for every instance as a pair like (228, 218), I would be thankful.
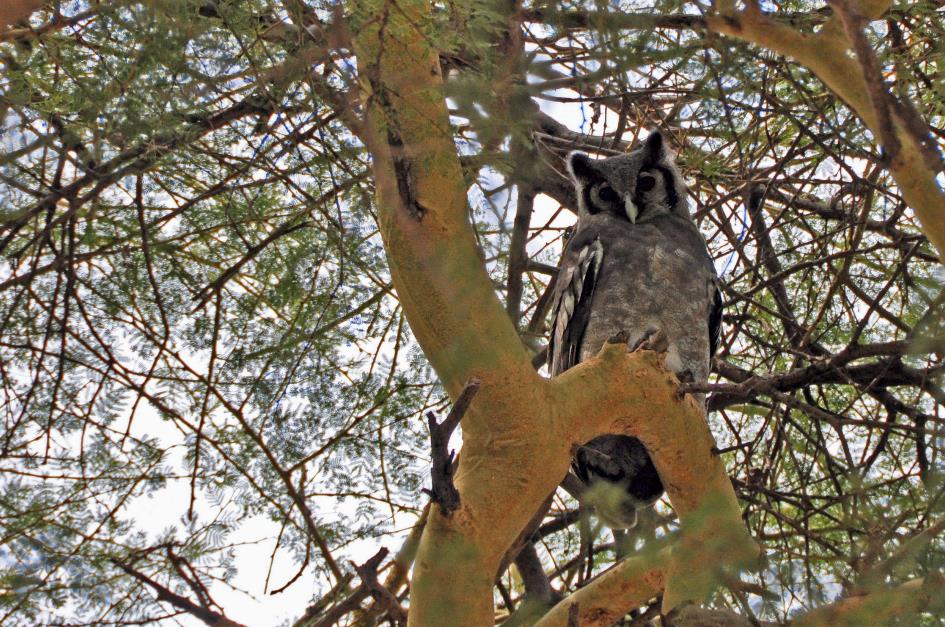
(606, 193)
(646, 182)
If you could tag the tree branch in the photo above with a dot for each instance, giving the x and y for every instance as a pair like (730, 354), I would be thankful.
(825, 54)
(14, 11)
(205, 614)
(368, 574)
(608, 597)
(880, 606)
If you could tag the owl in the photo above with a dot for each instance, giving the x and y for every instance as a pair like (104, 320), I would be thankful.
(635, 265)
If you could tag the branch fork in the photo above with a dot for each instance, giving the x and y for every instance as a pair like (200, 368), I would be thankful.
(382, 596)
(444, 492)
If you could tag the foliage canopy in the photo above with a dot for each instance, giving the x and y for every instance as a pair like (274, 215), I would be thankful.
(195, 299)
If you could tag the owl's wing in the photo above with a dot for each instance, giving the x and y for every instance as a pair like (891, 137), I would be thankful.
(572, 306)
(715, 320)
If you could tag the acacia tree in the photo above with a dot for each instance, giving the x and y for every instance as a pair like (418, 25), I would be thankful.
(230, 229)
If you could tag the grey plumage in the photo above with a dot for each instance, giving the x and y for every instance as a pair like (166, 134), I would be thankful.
(635, 264)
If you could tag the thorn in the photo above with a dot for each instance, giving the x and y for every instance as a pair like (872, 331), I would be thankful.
(684, 377)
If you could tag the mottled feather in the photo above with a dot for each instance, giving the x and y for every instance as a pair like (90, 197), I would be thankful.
(572, 307)
(635, 263)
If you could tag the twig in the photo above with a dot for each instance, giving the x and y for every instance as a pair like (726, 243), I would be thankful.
(317, 616)
(444, 493)
(332, 616)
(205, 614)
(207, 292)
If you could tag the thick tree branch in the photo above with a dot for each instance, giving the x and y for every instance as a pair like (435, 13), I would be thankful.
(537, 585)
(519, 432)
(853, 22)
(518, 254)
(880, 606)
(13, 11)
(609, 596)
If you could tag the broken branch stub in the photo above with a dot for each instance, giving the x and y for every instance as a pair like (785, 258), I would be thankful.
(444, 492)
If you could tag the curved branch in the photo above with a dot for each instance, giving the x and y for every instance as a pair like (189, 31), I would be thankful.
(879, 606)
(826, 55)
(608, 597)
(519, 431)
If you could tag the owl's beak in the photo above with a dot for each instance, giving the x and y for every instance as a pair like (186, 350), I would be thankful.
(631, 208)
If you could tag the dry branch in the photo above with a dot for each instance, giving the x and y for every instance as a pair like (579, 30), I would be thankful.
(444, 493)
(384, 598)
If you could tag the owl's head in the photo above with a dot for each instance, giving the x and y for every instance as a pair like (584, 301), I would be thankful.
(637, 186)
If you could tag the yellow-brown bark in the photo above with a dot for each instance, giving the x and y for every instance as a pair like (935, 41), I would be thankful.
(519, 430)
(879, 607)
(609, 596)
(13, 11)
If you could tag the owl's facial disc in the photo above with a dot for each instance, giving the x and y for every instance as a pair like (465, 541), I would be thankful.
(631, 208)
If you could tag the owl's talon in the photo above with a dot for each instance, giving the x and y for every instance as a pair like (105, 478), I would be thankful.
(653, 340)
(621, 337)
(638, 345)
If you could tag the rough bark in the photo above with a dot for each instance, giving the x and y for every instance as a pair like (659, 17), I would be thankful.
(880, 606)
(608, 597)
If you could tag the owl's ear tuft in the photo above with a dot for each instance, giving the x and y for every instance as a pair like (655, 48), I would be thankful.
(581, 166)
(654, 148)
